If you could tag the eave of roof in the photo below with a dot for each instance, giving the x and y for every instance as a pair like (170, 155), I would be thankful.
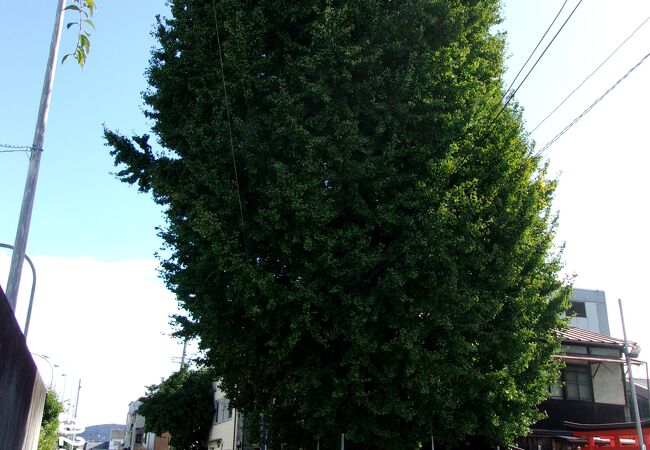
(573, 335)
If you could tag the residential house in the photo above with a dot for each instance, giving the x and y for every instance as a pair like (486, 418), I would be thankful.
(116, 441)
(593, 389)
(134, 430)
(227, 428)
(135, 437)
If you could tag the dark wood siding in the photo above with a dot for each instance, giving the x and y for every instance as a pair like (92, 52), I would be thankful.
(559, 411)
(17, 376)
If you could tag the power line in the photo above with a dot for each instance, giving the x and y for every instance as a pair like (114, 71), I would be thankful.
(8, 148)
(512, 94)
(534, 50)
(591, 74)
(586, 111)
(232, 145)
(484, 107)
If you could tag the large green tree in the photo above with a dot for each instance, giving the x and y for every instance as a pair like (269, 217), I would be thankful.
(362, 244)
(182, 406)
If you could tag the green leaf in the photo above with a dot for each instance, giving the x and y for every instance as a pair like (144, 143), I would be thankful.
(89, 23)
(85, 42)
(65, 57)
(71, 24)
(72, 8)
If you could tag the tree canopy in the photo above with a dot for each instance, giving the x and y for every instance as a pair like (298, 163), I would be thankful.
(48, 439)
(361, 243)
(182, 406)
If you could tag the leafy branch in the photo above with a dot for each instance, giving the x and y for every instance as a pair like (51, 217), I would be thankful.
(85, 9)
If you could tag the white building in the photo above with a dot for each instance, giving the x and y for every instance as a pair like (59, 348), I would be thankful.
(135, 437)
(134, 430)
(227, 427)
(116, 441)
(590, 309)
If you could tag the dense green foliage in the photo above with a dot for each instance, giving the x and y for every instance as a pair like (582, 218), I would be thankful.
(181, 405)
(48, 437)
(368, 254)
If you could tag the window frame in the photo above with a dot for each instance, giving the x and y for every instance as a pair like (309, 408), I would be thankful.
(222, 410)
(585, 395)
(577, 309)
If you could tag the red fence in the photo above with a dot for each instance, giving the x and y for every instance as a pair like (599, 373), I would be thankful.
(616, 439)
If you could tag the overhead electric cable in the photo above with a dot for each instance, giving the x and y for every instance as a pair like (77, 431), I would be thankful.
(586, 111)
(232, 145)
(9, 148)
(591, 74)
(534, 50)
(482, 109)
(512, 94)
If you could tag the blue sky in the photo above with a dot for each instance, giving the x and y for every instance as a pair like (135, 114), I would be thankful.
(80, 209)
(93, 238)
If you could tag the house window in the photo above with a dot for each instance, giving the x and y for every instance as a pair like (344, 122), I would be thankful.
(577, 309)
(556, 391)
(222, 410)
(577, 383)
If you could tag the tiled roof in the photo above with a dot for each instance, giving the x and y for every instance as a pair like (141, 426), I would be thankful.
(573, 335)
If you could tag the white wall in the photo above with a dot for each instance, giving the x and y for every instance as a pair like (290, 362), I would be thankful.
(222, 430)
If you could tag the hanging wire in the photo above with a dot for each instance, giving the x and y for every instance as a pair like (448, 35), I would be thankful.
(8, 148)
(512, 94)
(591, 74)
(26, 149)
(232, 144)
(586, 111)
(505, 94)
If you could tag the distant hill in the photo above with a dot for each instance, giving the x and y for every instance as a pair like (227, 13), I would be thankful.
(100, 433)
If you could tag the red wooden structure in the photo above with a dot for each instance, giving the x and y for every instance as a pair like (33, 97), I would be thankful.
(613, 436)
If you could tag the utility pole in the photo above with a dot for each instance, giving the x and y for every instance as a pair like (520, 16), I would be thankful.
(25, 218)
(635, 405)
(184, 353)
(76, 404)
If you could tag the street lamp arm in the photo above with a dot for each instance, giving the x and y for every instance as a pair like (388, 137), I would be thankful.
(31, 295)
(47, 360)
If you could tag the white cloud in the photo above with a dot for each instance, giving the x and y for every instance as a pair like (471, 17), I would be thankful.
(106, 323)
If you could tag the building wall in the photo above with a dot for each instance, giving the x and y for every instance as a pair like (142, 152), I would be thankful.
(608, 383)
(22, 391)
(595, 302)
(224, 430)
(134, 423)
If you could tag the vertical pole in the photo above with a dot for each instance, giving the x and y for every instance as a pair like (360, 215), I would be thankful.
(432, 446)
(31, 295)
(18, 256)
(647, 383)
(76, 404)
(342, 441)
(317, 444)
(65, 386)
(184, 353)
(263, 433)
(234, 429)
(635, 404)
